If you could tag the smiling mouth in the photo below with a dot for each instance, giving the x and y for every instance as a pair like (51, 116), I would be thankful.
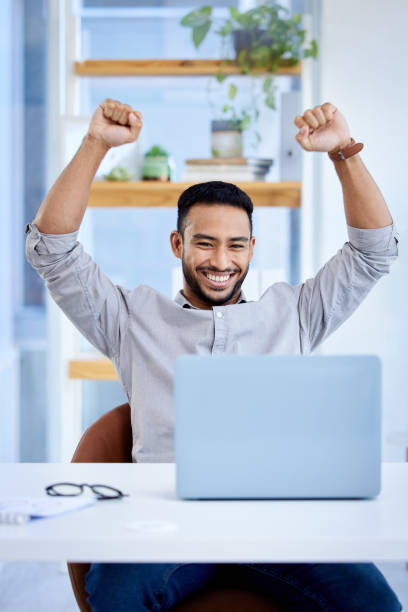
(217, 280)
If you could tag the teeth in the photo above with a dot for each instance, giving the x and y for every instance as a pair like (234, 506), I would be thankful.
(218, 279)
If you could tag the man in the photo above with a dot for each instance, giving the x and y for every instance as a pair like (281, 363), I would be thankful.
(143, 332)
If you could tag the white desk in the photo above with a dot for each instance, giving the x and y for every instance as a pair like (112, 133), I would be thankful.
(202, 531)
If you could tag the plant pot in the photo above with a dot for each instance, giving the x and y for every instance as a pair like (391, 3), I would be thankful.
(156, 168)
(245, 38)
(226, 138)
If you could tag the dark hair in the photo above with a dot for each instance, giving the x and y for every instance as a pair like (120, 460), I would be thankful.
(212, 192)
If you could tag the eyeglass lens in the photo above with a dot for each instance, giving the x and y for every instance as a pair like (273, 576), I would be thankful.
(105, 491)
(65, 488)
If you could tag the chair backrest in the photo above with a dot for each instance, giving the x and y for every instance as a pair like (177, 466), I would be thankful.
(108, 440)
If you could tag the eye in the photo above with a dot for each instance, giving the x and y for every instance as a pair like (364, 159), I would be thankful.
(237, 246)
(205, 244)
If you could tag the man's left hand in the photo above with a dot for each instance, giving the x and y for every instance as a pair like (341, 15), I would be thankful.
(322, 129)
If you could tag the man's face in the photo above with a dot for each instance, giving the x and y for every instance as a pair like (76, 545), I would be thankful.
(215, 252)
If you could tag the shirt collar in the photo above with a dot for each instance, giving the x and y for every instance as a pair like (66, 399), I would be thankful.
(182, 301)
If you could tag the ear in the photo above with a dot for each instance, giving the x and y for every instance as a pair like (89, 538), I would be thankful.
(251, 247)
(176, 242)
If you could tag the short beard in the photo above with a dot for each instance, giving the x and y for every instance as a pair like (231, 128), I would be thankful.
(199, 293)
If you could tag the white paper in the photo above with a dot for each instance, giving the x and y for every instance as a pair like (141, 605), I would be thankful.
(41, 507)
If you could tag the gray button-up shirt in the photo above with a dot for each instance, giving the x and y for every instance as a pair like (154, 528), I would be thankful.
(142, 331)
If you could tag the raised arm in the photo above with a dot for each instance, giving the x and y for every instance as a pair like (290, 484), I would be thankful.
(325, 129)
(63, 208)
(339, 287)
(95, 305)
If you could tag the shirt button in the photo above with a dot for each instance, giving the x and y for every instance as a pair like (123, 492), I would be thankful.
(219, 315)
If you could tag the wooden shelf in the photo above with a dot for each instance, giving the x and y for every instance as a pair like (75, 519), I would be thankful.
(92, 369)
(156, 193)
(167, 67)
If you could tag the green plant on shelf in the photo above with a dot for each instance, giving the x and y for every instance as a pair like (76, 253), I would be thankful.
(118, 173)
(264, 38)
(156, 165)
(156, 151)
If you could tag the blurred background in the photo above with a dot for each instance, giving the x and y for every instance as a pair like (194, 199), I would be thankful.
(46, 107)
(46, 110)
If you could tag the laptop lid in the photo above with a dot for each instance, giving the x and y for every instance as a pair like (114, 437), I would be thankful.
(269, 426)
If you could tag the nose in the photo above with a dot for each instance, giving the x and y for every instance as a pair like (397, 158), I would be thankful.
(220, 259)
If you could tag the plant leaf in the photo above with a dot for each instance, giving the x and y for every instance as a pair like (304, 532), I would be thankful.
(197, 17)
(225, 29)
(232, 91)
(313, 50)
(200, 32)
(260, 54)
(267, 84)
(156, 150)
(242, 57)
(270, 101)
(234, 12)
(220, 77)
(245, 122)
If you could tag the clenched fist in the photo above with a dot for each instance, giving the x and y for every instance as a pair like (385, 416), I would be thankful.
(322, 129)
(114, 123)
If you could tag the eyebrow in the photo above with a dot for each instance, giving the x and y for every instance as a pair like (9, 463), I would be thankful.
(206, 237)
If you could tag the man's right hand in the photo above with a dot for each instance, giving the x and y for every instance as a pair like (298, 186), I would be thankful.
(114, 124)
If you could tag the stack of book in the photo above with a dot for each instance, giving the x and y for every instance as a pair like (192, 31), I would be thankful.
(230, 169)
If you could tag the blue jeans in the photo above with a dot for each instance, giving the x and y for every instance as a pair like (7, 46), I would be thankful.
(301, 587)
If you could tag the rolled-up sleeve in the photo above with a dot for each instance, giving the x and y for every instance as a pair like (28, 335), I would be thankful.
(329, 298)
(97, 307)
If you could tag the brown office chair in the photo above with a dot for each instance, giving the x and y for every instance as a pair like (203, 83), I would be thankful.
(109, 440)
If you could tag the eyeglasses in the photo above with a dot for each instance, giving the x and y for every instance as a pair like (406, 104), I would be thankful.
(70, 489)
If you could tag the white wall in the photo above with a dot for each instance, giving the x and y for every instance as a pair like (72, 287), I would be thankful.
(363, 55)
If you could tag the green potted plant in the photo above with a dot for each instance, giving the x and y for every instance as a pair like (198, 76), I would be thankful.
(229, 123)
(226, 138)
(263, 38)
(155, 165)
(118, 173)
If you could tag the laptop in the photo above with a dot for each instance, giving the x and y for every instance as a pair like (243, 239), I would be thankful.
(269, 426)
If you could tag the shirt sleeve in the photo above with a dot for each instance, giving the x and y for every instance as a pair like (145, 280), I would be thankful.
(328, 299)
(97, 307)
